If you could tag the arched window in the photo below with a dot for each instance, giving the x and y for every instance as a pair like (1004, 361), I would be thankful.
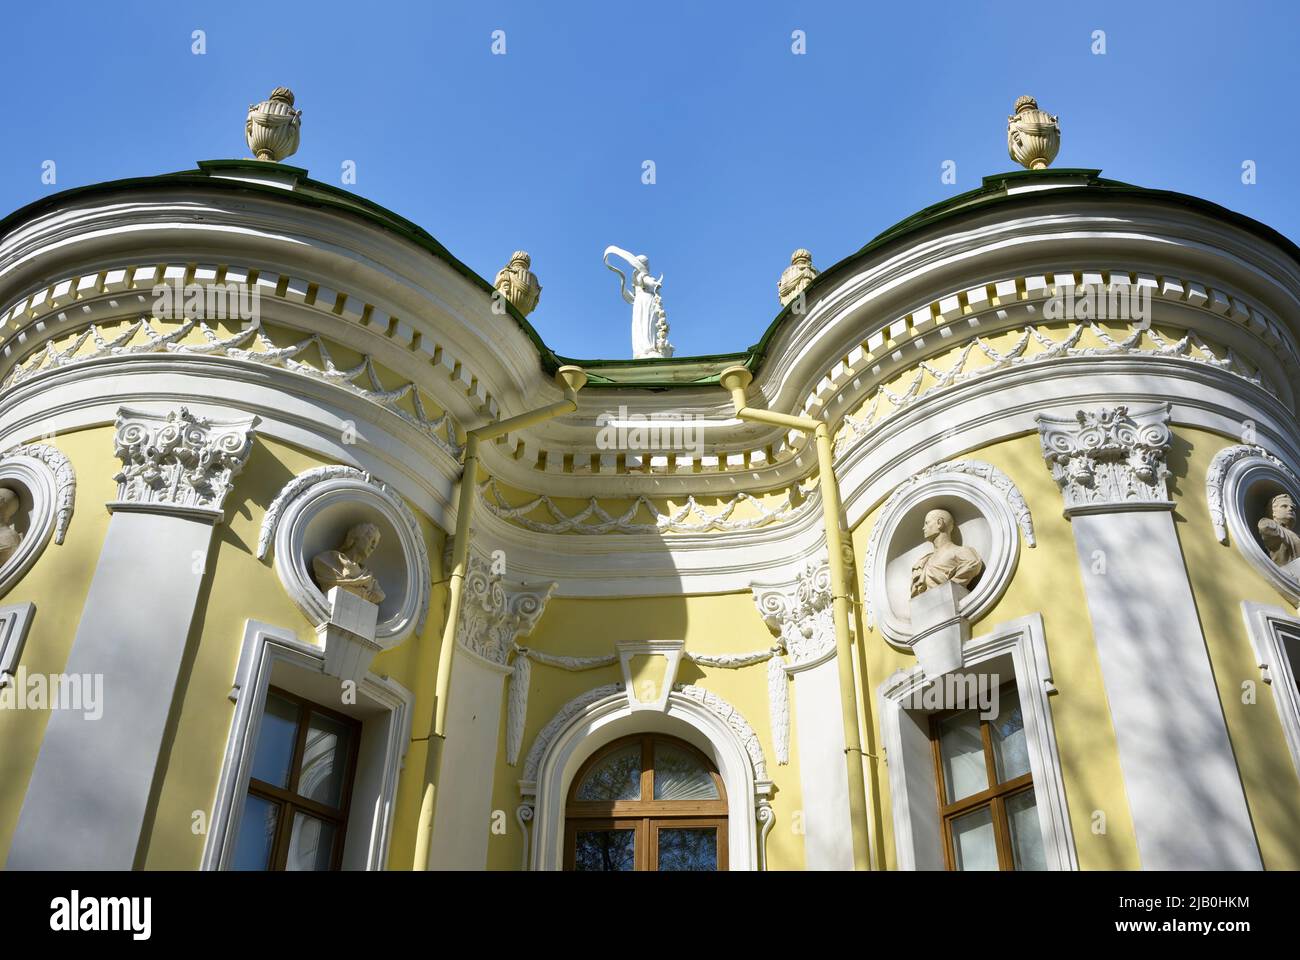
(646, 802)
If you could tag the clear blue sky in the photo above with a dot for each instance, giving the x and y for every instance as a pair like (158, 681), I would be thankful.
(757, 150)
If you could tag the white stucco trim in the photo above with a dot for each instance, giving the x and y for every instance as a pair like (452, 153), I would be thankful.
(1271, 630)
(15, 621)
(1021, 646)
(590, 726)
(384, 707)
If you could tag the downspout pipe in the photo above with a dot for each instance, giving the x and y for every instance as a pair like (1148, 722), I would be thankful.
(571, 379)
(736, 380)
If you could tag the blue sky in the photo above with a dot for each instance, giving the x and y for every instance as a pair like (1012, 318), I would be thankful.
(757, 150)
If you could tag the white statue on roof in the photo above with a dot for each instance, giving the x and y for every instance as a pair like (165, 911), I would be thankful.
(649, 321)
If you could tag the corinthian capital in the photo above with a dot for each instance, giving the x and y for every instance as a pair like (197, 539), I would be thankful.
(1109, 459)
(496, 611)
(178, 462)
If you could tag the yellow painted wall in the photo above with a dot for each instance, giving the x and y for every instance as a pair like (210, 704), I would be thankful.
(1047, 580)
(726, 623)
(57, 583)
(1221, 579)
(239, 587)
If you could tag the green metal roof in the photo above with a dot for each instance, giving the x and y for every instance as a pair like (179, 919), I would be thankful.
(669, 372)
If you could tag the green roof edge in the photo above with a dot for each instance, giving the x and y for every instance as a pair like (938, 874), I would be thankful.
(978, 200)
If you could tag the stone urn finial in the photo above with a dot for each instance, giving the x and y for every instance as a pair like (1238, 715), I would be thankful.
(272, 128)
(796, 277)
(518, 284)
(1033, 136)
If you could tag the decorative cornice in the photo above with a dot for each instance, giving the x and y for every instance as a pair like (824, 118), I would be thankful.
(1109, 459)
(496, 612)
(929, 379)
(593, 519)
(178, 461)
(964, 316)
(361, 378)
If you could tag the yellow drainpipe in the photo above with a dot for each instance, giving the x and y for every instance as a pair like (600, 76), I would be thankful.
(572, 379)
(736, 380)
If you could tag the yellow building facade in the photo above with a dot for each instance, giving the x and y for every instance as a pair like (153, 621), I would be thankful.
(316, 556)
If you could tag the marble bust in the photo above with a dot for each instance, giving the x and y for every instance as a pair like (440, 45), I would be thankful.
(948, 561)
(345, 567)
(10, 537)
(1277, 531)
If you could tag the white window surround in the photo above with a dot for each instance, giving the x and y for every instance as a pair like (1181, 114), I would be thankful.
(274, 655)
(1272, 631)
(609, 716)
(15, 621)
(1014, 648)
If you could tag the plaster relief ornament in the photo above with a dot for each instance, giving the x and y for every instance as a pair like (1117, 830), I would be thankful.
(273, 126)
(518, 284)
(796, 277)
(948, 562)
(1110, 458)
(10, 537)
(345, 567)
(649, 321)
(1277, 532)
(1033, 136)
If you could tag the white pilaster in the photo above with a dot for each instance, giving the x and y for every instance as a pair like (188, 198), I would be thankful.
(86, 803)
(1184, 790)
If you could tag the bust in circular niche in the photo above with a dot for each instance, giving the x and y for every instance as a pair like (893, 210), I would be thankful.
(1277, 533)
(948, 561)
(10, 536)
(345, 567)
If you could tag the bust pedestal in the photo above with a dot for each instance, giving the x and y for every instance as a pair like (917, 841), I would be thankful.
(938, 630)
(349, 635)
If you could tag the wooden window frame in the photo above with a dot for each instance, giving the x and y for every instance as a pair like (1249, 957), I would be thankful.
(995, 796)
(287, 799)
(645, 817)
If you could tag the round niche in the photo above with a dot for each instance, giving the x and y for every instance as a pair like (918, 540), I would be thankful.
(314, 513)
(37, 507)
(988, 516)
(1241, 486)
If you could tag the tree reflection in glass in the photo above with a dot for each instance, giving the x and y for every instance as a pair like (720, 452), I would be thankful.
(604, 851)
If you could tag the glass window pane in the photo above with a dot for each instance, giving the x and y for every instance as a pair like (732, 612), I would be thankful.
(974, 844)
(688, 848)
(616, 777)
(680, 775)
(276, 736)
(1010, 751)
(605, 850)
(964, 772)
(311, 844)
(325, 760)
(256, 834)
(1026, 836)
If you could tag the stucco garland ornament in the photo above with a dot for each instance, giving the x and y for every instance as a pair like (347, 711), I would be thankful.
(796, 503)
(521, 679)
